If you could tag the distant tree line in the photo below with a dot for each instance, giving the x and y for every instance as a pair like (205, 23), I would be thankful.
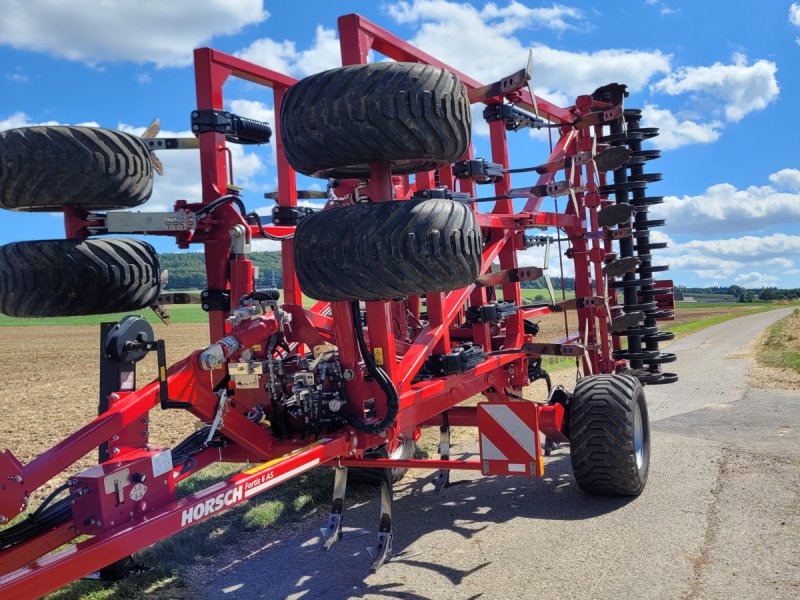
(187, 270)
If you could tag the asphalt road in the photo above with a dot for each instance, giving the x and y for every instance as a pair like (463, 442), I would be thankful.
(719, 518)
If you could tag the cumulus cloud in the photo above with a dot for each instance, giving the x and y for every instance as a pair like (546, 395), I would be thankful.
(21, 119)
(482, 44)
(786, 179)
(724, 208)
(752, 261)
(739, 88)
(794, 16)
(164, 33)
(284, 57)
(675, 133)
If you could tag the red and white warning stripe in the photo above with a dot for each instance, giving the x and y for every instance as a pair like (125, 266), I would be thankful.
(509, 439)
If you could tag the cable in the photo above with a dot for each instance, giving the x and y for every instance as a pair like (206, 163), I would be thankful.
(275, 238)
(214, 204)
(386, 384)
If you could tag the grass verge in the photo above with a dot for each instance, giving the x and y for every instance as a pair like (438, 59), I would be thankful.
(781, 347)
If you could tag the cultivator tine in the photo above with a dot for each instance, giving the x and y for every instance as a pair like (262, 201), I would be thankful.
(529, 80)
(382, 551)
(442, 477)
(332, 532)
(151, 132)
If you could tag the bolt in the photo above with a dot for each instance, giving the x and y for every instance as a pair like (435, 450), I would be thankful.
(115, 451)
(16, 478)
(114, 397)
(348, 374)
(195, 114)
(3, 519)
(111, 524)
(355, 442)
(114, 438)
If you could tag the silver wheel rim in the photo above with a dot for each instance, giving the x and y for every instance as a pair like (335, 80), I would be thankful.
(638, 436)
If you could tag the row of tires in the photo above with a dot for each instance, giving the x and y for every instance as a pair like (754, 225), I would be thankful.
(414, 116)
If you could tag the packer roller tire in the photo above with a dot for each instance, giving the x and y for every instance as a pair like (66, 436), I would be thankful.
(375, 251)
(49, 167)
(414, 116)
(609, 435)
(63, 278)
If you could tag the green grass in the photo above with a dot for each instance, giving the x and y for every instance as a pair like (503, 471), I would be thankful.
(781, 348)
(685, 328)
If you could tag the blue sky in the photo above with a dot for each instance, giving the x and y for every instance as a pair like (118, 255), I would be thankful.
(719, 78)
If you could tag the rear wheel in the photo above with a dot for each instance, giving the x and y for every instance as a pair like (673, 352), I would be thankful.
(387, 250)
(414, 116)
(49, 167)
(609, 435)
(60, 278)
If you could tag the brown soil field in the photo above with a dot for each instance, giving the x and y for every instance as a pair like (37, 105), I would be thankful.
(49, 382)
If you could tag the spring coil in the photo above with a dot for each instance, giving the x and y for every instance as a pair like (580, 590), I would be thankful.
(249, 131)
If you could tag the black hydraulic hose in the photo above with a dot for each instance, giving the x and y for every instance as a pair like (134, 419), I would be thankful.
(392, 397)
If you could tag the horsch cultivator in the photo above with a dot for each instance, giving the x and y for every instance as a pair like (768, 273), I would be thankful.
(413, 315)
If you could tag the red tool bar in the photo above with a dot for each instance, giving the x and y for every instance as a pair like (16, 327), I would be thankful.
(358, 35)
(56, 570)
(388, 463)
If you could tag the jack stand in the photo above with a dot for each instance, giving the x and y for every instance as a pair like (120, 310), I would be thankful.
(382, 552)
(442, 478)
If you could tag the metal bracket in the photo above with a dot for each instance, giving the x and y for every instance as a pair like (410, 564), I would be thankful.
(461, 358)
(239, 130)
(479, 170)
(491, 313)
(291, 215)
(440, 193)
(552, 349)
(141, 222)
(510, 276)
(514, 118)
(215, 300)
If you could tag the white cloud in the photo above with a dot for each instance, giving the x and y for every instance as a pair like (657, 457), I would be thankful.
(164, 33)
(21, 119)
(674, 133)
(741, 88)
(754, 279)
(724, 208)
(481, 44)
(284, 57)
(786, 179)
(728, 258)
(794, 16)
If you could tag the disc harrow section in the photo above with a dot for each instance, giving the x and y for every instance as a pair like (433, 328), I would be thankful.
(639, 287)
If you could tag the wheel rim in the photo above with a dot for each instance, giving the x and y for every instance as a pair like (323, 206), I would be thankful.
(638, 436)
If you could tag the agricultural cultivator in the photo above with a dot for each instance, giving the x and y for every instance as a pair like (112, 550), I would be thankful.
(417, 288)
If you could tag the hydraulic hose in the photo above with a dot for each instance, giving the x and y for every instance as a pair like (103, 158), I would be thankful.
(392, 397)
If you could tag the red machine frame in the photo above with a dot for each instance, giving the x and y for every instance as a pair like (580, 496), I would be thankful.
(27, 570)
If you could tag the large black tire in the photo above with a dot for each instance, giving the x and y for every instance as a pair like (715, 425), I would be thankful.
(609, 435)
(387, 250)
(49, 167)
(60, 278)
(417, 117)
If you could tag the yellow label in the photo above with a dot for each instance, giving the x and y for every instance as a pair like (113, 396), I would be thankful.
(163, 373)
(256, 347)
(540, 467)
(378, 354)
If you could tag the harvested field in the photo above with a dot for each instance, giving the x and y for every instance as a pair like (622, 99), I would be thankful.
(49, 379)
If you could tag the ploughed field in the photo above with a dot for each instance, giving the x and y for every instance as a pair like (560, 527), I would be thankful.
(49, 380)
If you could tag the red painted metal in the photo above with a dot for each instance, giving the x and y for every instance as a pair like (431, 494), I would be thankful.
(395, 337)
